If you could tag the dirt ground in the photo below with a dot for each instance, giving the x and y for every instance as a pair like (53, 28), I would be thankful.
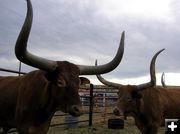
(100, 128)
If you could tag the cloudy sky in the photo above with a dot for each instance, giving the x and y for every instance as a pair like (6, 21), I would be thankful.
(81, 31)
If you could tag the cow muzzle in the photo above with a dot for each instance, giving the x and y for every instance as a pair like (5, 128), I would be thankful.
(75, 110)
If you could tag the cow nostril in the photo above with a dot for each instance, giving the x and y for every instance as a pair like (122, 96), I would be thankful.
(75, 109)
(116, 111)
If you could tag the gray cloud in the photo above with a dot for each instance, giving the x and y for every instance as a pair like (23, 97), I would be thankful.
(77, 31)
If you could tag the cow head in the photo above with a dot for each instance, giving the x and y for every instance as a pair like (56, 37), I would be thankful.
(63, 75)
(130, 96)
(64, 82)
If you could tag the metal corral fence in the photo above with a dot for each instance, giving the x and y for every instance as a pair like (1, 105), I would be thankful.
(98, 102)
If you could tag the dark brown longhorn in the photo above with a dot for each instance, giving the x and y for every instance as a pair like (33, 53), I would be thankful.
(28, 102)
(147, 103)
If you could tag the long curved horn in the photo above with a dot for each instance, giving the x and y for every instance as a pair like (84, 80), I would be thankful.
(101, 69)
(139, 87)
(163, 80)
(26, 57)
(21, 46)
(152, 73)
(105, 82)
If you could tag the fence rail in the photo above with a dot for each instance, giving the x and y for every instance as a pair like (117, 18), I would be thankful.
(11, 71)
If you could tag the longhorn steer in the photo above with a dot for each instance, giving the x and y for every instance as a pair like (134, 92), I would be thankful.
(147, 104)
(28, 102)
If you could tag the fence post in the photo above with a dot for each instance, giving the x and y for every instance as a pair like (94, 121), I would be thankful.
(91, 105)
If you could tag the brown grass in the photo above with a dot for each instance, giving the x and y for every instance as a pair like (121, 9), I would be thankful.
(100, 125)
(100, 128)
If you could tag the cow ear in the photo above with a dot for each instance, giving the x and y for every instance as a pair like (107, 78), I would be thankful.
(136, 94)
(61, 82)
(83, 81)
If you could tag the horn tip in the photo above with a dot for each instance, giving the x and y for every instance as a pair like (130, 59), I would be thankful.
(123, 34)
(96, 62)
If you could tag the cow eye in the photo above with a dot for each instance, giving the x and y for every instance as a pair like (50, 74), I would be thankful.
(61, 83)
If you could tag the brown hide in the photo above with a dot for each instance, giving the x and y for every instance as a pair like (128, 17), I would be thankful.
(148, 107)
(28, 102)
